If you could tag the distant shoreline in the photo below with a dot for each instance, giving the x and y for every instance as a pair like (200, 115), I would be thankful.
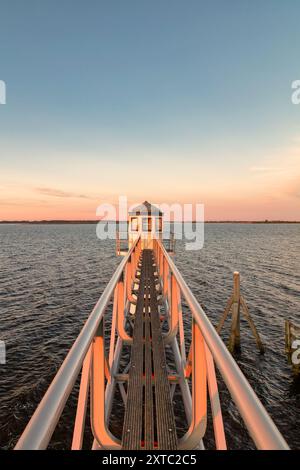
(81, 222)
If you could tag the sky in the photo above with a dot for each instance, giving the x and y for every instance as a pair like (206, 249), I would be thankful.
(169, 101)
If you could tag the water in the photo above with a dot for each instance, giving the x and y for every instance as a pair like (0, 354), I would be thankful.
(52, 275)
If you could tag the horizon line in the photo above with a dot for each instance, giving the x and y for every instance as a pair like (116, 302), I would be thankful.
(94, 221)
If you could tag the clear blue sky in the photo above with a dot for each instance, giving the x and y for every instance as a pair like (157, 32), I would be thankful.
(193, 95)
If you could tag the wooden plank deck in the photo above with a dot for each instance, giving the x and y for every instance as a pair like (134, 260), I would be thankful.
(149, 418)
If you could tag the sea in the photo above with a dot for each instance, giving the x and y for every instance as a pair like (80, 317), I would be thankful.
(51, 276)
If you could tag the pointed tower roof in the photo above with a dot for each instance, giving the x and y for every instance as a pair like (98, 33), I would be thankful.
(145, 209)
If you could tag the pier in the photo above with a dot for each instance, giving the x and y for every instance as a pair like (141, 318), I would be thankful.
(141, 310)
(148, 372)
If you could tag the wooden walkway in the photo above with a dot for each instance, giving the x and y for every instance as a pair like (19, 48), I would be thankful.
(149, 418)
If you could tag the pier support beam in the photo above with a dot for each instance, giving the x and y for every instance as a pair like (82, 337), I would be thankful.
(237, 305)
(235, 333)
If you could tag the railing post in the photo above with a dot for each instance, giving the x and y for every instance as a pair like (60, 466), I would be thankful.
(215, 402)
(173, 308)
(98, 420)
(181, 328)
(120, 313)
(113, 328)
(199, 392)
(165, 279)
(79, 426)
(129, 283)
(161, 263)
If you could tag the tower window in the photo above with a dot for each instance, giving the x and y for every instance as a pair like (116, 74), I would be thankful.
(158, 224)
(147, 224)
(134, 224)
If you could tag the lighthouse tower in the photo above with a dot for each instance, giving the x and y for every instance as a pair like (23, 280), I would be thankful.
(145, 220)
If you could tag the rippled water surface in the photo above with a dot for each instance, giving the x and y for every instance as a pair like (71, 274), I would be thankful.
(52, 275)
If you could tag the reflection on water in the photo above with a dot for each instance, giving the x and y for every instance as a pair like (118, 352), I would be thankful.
(52, 275)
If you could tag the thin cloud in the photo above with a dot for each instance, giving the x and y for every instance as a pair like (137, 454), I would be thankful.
(53, 192)
(266, 169)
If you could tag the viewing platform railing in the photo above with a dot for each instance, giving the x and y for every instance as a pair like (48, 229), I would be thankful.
(100, 368)
(208, 349)
(40, 428)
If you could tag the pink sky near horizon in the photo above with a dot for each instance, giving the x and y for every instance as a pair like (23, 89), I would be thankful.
(71, 188)
(235, 201)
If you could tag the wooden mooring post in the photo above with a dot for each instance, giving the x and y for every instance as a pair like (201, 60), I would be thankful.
(292, 345)
(237, 305)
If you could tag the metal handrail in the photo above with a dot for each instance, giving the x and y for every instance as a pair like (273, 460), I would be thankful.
(41, 426)
(43, 422)
(258, 422)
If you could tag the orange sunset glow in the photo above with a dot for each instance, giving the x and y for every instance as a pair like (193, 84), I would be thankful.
(269, 190)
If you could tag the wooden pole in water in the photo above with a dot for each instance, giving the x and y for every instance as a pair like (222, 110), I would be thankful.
(252, 325)
(235, 334)
(225, 314)
(287, 337)
(237, 305)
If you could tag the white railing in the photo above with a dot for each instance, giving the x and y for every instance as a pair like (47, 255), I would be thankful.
(259, 424)
(99, 369)
(41, 426)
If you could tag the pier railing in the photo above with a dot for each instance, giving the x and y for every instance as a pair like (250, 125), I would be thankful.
(40, 428)
(99, 366)
(208, 349)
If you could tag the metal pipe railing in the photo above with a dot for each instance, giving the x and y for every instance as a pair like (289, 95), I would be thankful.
(41, 426)
(258, 422)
